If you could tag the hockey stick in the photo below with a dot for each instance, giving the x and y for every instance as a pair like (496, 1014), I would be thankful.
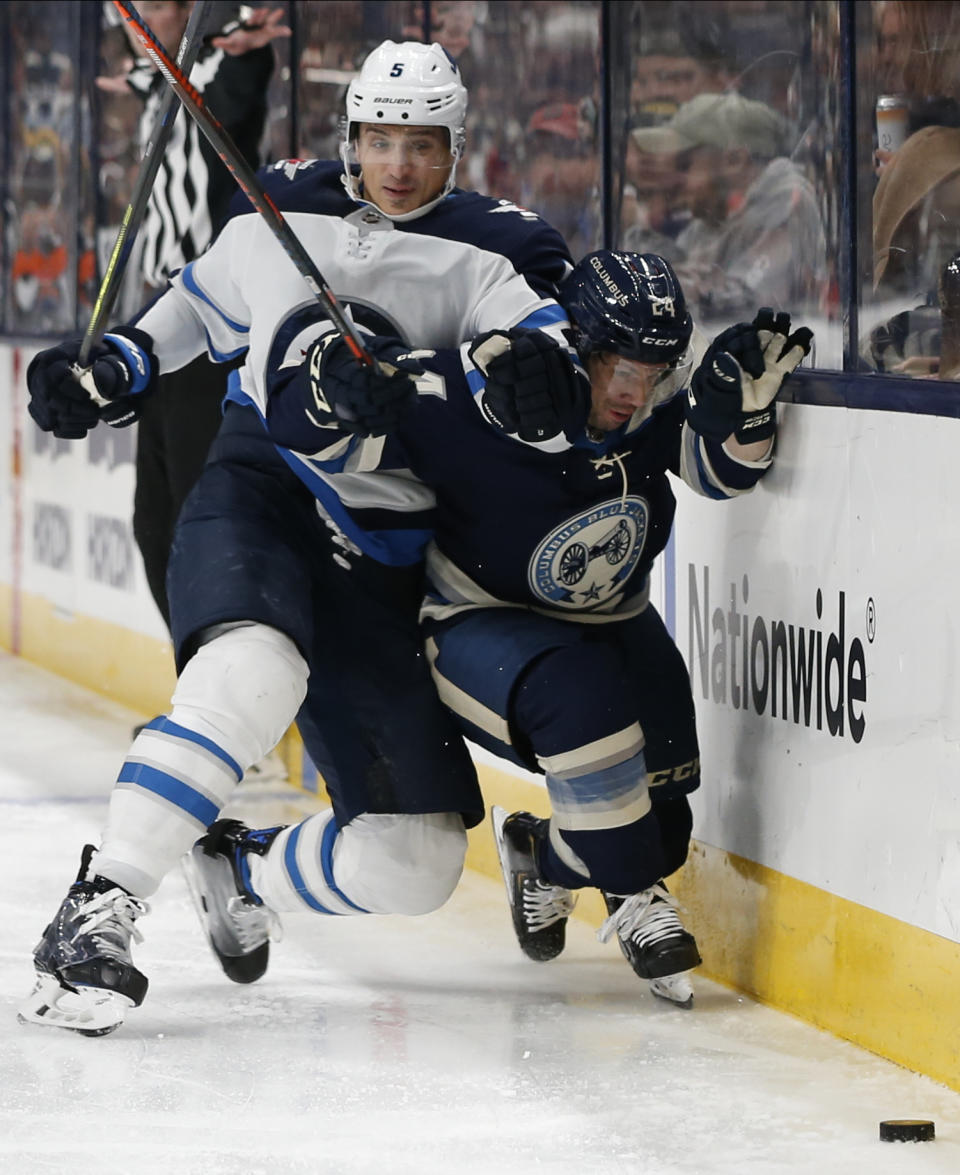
(244, 174)
(150, 164)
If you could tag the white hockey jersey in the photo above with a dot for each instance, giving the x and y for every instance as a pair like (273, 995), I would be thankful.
(470, 264)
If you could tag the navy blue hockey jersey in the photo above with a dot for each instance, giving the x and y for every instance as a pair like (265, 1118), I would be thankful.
(572, 532)
(570, 529)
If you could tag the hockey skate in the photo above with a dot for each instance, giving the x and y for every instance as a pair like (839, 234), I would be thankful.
(540, 910)
(86, 980)
(653, 941)
(237, 924)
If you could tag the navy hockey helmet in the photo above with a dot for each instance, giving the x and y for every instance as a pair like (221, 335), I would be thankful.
(630, 304)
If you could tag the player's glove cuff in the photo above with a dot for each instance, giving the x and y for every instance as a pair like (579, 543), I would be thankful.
(714, 397)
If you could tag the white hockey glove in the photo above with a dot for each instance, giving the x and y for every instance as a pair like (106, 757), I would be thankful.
(736, 385)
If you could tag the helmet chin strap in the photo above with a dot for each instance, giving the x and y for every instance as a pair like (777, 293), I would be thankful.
(353, 191)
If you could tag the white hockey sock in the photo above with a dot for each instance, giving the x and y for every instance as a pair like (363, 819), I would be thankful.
(234, 700)
(376, 864)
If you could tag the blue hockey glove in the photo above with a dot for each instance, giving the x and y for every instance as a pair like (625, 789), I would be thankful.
(736, 385)
(68, 403)
(532, 388)
(364, 400)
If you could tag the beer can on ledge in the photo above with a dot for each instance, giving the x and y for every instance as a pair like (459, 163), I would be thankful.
(892, 116)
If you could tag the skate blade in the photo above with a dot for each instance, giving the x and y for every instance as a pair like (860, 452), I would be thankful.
(191, 876)
(91, 1011)
(240, 968)
(498, 817)
(676, 988)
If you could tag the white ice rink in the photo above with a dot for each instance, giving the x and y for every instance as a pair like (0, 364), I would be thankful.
(426, 1046)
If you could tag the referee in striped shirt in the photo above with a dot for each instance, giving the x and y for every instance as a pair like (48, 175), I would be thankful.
(187, 206)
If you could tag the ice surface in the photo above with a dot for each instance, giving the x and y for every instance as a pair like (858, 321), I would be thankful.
(426, 1046)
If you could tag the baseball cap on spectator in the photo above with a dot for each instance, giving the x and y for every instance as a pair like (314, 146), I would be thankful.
(726, 121)
(557, 118)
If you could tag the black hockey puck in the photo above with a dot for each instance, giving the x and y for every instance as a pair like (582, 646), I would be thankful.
(906, 1130)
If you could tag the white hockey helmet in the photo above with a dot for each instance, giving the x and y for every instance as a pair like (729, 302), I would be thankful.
(409, 84)
(406, 84)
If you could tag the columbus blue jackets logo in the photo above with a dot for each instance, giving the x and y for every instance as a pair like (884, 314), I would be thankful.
(584, 563)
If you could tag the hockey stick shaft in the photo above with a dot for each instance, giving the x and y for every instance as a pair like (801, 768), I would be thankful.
(247, 181)
(150, 164)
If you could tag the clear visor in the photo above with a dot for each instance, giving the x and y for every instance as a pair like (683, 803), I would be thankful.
(401, 150)
(642, 386)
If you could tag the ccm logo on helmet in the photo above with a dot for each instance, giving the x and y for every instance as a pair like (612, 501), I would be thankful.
(660, 342)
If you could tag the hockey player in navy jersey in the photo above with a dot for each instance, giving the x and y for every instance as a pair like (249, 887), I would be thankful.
(539, 628)
(266, 619)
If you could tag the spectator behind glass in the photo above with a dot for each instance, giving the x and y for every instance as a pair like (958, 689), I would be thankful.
(916, 205)
(756, 234)
(916, 233)
(888, 61)
(560, 173)
(187, 204)
(918, 55)
(37, 229)
(451, 24)
(673, 61)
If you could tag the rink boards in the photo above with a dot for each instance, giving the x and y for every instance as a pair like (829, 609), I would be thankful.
(817, 619)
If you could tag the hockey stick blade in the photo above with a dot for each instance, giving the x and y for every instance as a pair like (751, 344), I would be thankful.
(136, 209)
(247, 181)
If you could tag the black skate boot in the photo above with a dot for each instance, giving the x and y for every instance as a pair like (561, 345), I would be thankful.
(654, 941)
(540, 910)
(86, 979)
(237, 924)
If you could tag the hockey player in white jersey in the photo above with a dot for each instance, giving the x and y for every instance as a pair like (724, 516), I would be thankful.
(265, 617)
(539, 627)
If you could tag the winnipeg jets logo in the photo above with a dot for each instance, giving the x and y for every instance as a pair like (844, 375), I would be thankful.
(584, 563)
(661, 306)
(290, 167)
(509, 206)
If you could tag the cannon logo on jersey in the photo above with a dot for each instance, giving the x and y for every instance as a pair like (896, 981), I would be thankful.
(584, 563)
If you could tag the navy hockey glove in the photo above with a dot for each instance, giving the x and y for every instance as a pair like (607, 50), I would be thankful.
(532, 387)
(120, 370)
(736, 385)
(365, 400)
